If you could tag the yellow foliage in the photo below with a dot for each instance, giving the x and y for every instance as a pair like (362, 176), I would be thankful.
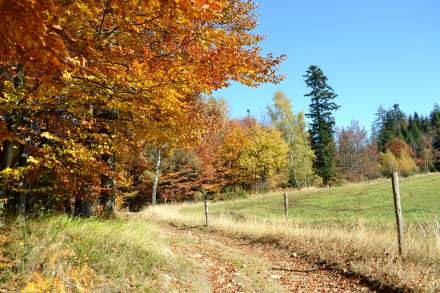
(90, 77)
(80, 276)
(388, 163)
(264, 155)
(407, 165)
(40, 283)
(404, 164)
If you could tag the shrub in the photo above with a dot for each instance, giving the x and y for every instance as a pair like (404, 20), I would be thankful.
(407, 165)
(388, 163)
(404, 164)
(230, 193)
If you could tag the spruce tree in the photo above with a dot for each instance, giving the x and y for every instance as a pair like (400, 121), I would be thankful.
(389, 124)
(322, 122)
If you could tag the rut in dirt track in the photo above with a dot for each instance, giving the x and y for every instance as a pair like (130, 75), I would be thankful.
(232, 265)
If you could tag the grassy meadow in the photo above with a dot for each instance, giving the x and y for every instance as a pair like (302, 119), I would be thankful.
(349, 228)
(371, 202)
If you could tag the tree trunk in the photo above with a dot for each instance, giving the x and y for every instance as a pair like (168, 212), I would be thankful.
(86, 208)
(67, 206)
(108, 197)
(156, 179)
(7, 155)
(83, 208)
(22, 161)
(77, 207)
(22, 206)
(5, 162)
(294, 173)
(296, 180)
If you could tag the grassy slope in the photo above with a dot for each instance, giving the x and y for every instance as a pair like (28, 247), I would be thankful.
(60, 254)
(131, 254)
(367, 250)
(369, 201)
(350, 227)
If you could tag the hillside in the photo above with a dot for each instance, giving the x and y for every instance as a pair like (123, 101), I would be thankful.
(340, 238)
(348, 229)
(371, 202)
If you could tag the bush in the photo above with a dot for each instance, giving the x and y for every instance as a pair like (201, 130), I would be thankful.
(230, 193)
(407, 165)
(404, 164)
(388, 163)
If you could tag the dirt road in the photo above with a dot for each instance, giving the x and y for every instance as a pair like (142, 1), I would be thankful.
(229, 265)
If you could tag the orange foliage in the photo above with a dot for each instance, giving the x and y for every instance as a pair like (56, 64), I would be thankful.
(398, 147)
(99, 77)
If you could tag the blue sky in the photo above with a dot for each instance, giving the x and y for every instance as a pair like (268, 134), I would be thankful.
(372, 51)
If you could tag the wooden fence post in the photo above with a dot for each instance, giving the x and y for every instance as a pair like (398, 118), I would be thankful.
(206, 210)
(286, 205)
(398, 210)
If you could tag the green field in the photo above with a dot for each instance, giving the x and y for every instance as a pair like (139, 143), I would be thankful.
(371, 202)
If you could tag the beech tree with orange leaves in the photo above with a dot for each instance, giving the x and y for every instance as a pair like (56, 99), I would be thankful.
(79, 77)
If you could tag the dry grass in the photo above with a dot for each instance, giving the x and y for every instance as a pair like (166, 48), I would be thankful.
(61, 254)
(358, 248)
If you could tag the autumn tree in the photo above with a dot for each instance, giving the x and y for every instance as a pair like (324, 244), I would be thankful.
(427, 154)
(229, 171)
(351, 151)
(407, 165)
(398, 158)
(293, 130)
(115, 71)
(398, 147)
(417, 131)
(263, 156)
(371, 164)
(322, 122)
(388, 163)
(211, 142)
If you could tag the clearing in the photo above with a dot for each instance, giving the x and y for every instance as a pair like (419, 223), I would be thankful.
(349, 228)
(371, 202)
(336, 240)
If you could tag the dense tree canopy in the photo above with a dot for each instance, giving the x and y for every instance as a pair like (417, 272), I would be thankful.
(83, 82)
(416, 135)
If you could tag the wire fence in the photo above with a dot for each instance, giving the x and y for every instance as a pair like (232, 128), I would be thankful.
(290, 204)
(298, 205)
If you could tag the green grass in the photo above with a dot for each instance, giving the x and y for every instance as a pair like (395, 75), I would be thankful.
(60, 253)
(371, 202)
(351, 227)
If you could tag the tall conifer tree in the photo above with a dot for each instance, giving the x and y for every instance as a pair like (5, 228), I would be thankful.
(322, 122)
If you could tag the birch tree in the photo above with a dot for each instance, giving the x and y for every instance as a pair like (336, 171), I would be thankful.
(293, 130)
